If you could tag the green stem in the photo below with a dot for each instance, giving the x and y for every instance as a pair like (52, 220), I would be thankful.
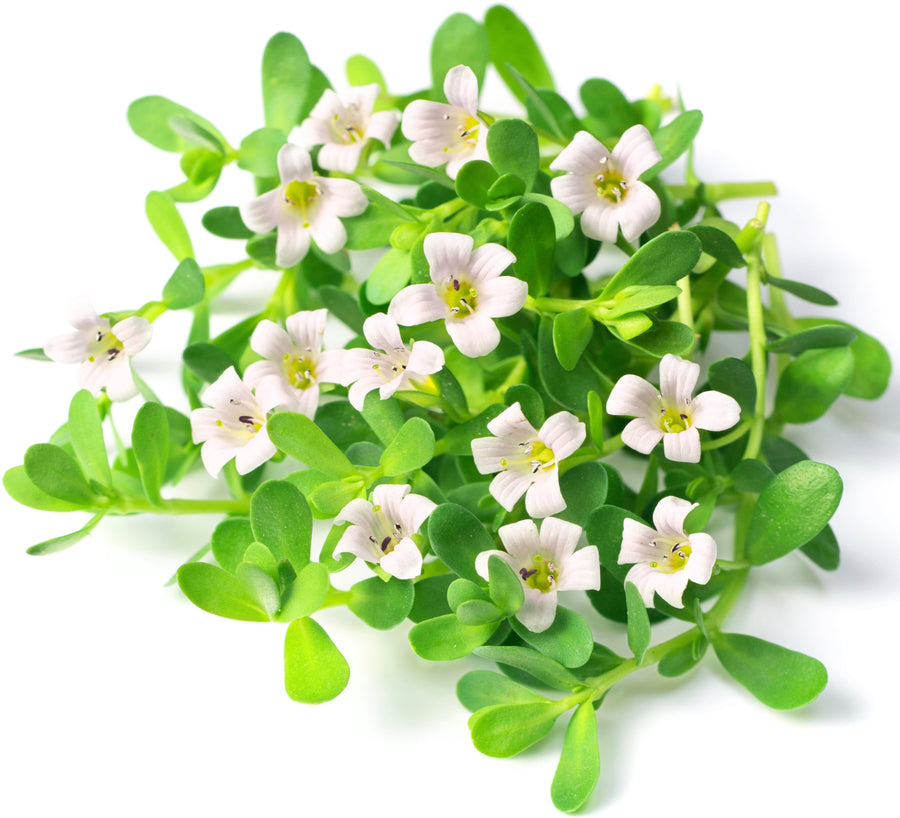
(546, 304)
(137, 505)
(758, 354)
(720, 192)
(735, 434)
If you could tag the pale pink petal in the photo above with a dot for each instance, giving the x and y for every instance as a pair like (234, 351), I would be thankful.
(417, 304)
(715, 411)
(430, 152)
(307, 328)
(559, 539)
(404, 561)
(671, 587)
(601, 221)
(490, 452)
(82, 315)
(669, 516)
(343, 158)
(215, 453)
(508, 486)
(512, 423)
(256, 452)
(291, 244)
(264, 212)
(645, 579)
(328, 232)
(314, 130)
(466, 155)
(582, 156)
(563, 433)
(357, 393)
(134, 333)
(641, 435)
(677, 378)
(635, 152)
(488, 262)
(388, 496)
(501, 297)
(228, 386)
(355, 540)
(521, 539)
(120, 385)
(358, 512)
(581, 571)
(461, 88)
(576, 192)
(636, 538)
(473, 336)
(382, 332)
(414, 510)
(448, 254)
(703, 557)
(71, 348)
(382, 126)
(342, 197)
(538, 611)
(639, 211)
(544, 498)
(633, 397)
(270, 341)
(683, 447)
(425, 359)
(294, 164)
(330, 366)
(431, 122)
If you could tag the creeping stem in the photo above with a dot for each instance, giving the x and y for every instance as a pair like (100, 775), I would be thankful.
(758, 354)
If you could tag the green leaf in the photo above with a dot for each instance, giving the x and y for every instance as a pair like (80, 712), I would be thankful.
(230, 539)
(810, 383)
(679, 661)
(484, 688)
(67, 540)
(462, 590)
(579, 765)
(751, 476)
(411, 449)
(780, 678)
(568, 640)
(445, 638)
(563, 220)
(207, 361)
(150, 442)
(459, 40)
(569, 388)
(662, 260)
(503, 730)
(791, 510)
(512, 146)
(532, 240)
(166, 221)
(674, 139)
(286, 75)
(546, 670)
(612, 114)
(150, 118)
(511, 43)
(261, 584)
(297, 436)
(389, 275)
(478, 612)
(824, 337)
(529, 400)
(802, 290)
(634, 299)
(226, 223)
(258, 154)
(474, 181)
(281, 520)
(360, 70)
(315, 671)
(381, 604)
(327, 499)
(306, 594)
(734, 377)
(185, 287)
(547, 109)
(823, 550)
(457, 536)
(504, 586)
(216, 591)
(718, 244)
(604, 529)
(584, 488)
(431, 598)
(572, 332)
(638, 623)
(195, 134)
(55, 472)
(22, 490)
(665, 337)
(86, 435)
(595, 419)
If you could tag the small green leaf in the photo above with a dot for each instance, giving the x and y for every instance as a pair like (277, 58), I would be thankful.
(474, 181)
(281, 520)
(718, 244)
(513, 148)
(195, 134)
(150, 442)
(823, 337)
(258, 154)
(665, 337)
(484, 688)
(67, 540)
(22, 490)
(286, 75)
(611, 112)
(207, 361)
(306, 594)
(327, 499)
(297, 436)
(411, 449)
(230, 539)
(568, 388)
(503, 730)
(662, 260)
(86, 435)
(55, 472)
(381, 604)
(463, 590)
(445, 638)
(780, 678)
(568, 640)
(216, 591)
(563, 220)
(511, 43)
(802, 290)
(572, 332)
(185, 287)
(584, 488)
(532, 240)
(679, 661)
(734, 377)
(638, 622)
(546, 670)
(751, 476)
(504, 586)
(459, 40)
(360, 70)
(389, 275)
(579, 764)
(823, 550)
(791, 510)
(315, 671)
(262, 586)
(150, 118)
(457, 536)
(674, 139)
(166, 221)
(478, 612)
(812, 382)
(226, 223)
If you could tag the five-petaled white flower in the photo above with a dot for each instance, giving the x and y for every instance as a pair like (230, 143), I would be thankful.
(546, 562)
(102, 350)
(527, 459)
(665, 557)
(381, 531)
(390, 365)
(669, 413)
(447, 133)
(294, 364)
(304, 206)
(341, 124)
(467, 292)
(604, 187)
(235, 427)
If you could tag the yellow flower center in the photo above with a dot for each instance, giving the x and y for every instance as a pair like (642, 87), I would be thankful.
(302, 198)
(467, 134)
(299, 371)
(105, 345)
(460, 297)
(611, 185)
(674, 555)
(541, 575)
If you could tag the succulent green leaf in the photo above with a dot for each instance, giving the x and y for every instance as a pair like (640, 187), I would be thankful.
(381, 604)
(207, 361)
(445, 638)
(281, 520)
(794, 507)
(484, 688)
(572, 332)
(584, 488)
(780, 678)
(684, 658)
(389, 275)
(411, 449)
(474, 182)
(86, 435)
(718, 244)
(512, 146)
(216, 591)
(568, 640)
(306, 594)
(67, 540)
(229, 541)
(611, 113)
(19, 486)
(297, 436)
(824, 337)
(734, 377)
(503, 730)
(532, 240)
(150, 118)
(504, 586)
(457, 536)
(478, 612)
(286, 75)
(662, 260)
(811, 382)
(315, 671)
(802, 290)
(262, 585)
(167, 223)
(674, 139)
(579, 764)
(546, 670)
(511, 44)
(258, 154)
(459, 40)
(638, 622)
(823, 550)
(150, 442)
(55, 472)
(185, 287)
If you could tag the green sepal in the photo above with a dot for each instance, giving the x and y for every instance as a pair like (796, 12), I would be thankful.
(315, 671)
(381, 604)
(216, 591)
(579, 764)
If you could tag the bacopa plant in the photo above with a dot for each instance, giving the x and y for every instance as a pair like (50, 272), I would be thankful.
(459, 442)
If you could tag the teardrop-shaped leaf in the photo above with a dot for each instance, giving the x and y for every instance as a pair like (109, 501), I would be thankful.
(638, 622)
(229, 541)
(459, 40)
(457, 536)
(306, 594)
(503, 730)
(411, 449)
(674, 139)
(218, 592)
(513, 148)
(505, 587)
(812, 382)
(780, 678)
(22, 490)
(150, 443)
(445, 638)
(315, 671)
(511, 42)
(823, 550)
(546, 670)
(286, 75)
(682, 659)
(281, 520)
(381, 604)
(584, 489)
(663, 260)
(794, 507)
(297, 436)
(815, 338)
(185, 287)
(86, 435)
(572, 332)
(166, 221)
(484, 688)
(66, 540)
(568, 640)
(150, 118)
(532, 240)
(55, 472)
(579, 764)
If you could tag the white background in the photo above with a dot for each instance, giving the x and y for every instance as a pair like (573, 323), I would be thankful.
(119, 698)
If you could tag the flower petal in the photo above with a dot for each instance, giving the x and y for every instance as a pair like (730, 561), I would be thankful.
(291, 244)
(82, 315)
(559, 539)
(488, 262)
(342, 197)
(382, 126)
(473, 336)
(294, 163)
(639, 211)
(715, 411)
(343, 158)
(501, 296)
(70, 348)
(601, 221)
(538, 611)
(575, 191)
(120, 385)
(636, 539)
(461, 88)
(307, 329)
(521, 539)
(382, 332)
(481, 561)
(683, 447)
(425, 359)
(563, 433)
(328, 232)
(417, 304)
(264, 212)
(508, 486)
(635, 152)
(215, 453)
(512, 423)
(669, 516)
(677, 378)
(583, 155)
(414, 510)
(270, 341)
(581, 571)
(255, 453)
(703, 557)
(633, 397)
(642, 436)
(134, 333)
(447, 254)
(405, 561)
(544, 498)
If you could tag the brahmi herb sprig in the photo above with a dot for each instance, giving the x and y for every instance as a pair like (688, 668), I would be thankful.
(461, 442)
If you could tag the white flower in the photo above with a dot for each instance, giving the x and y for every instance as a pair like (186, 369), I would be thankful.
(341, 124)
(666, 558)
(304, 206)
(604, 187)
(467, 292)
(546, 563)
(235, 427)
(447, 133)
(527, 459)
(103, 351)
(294, 364)
(669, 414)
(381, 531)
(392, 367)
